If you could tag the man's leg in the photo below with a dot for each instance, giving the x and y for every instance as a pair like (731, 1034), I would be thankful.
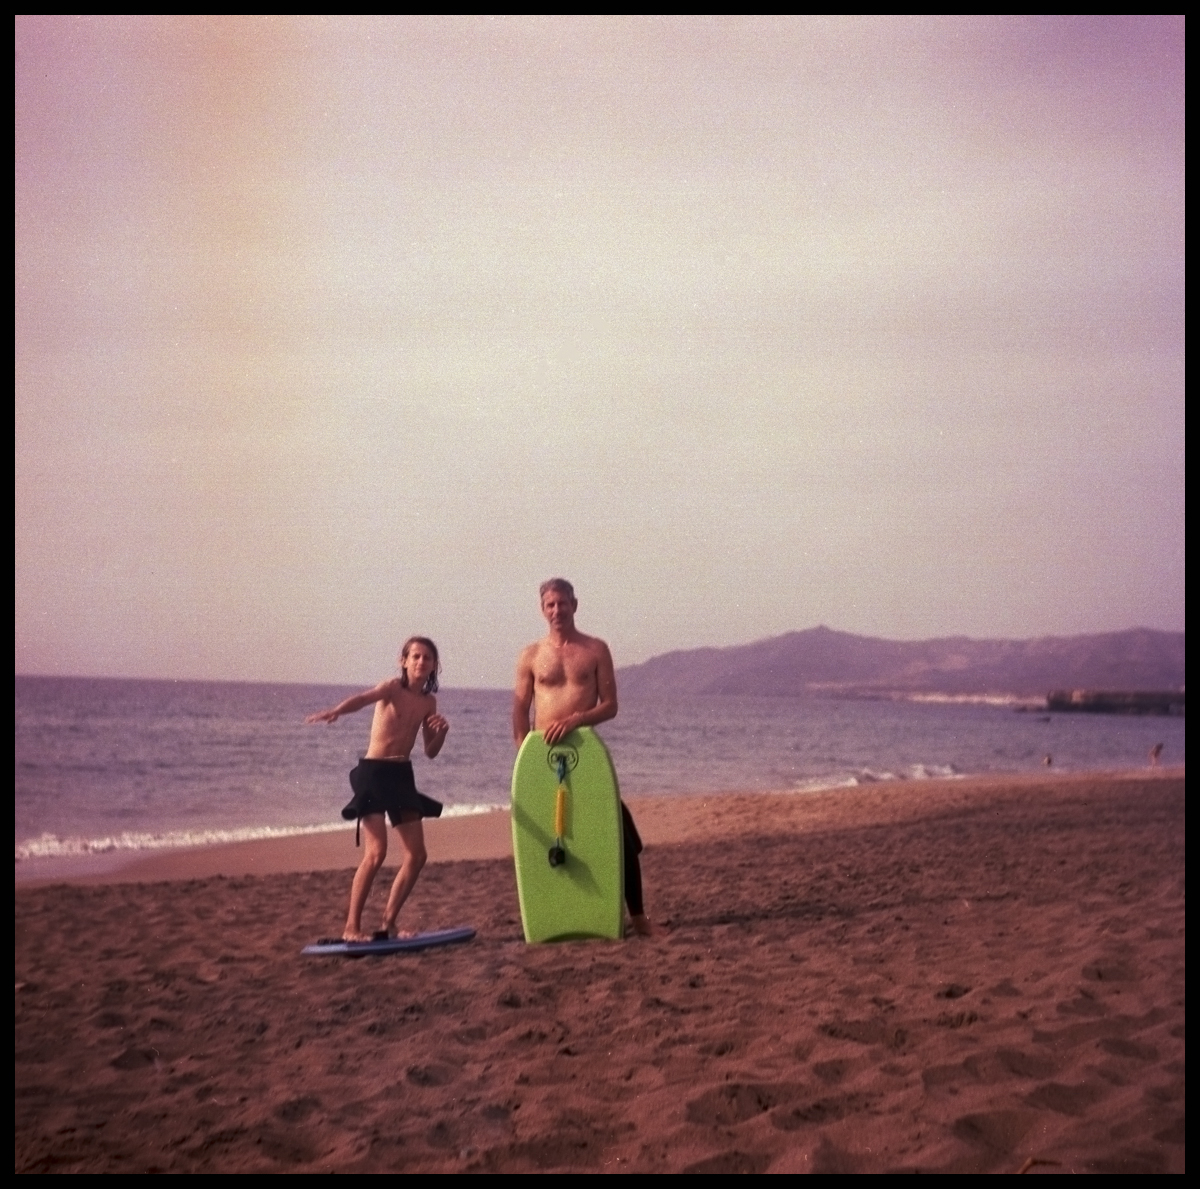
(633, 874)
(412, 841)
(374, 852)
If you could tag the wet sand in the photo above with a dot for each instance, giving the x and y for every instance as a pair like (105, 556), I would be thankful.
(929, 976)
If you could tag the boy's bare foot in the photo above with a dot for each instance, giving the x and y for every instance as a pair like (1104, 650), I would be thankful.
(349, 934)
(640, 924)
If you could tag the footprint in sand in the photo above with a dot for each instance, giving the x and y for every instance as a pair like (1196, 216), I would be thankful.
(1065, 1100)
(731, 1163)
(1133, 1049)
(997, 1131)
(736, 1102)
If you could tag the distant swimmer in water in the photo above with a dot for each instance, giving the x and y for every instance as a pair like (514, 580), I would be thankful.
(1155, 752)
(1047, 759)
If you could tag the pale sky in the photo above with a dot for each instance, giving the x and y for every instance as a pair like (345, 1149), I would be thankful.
(331, 330)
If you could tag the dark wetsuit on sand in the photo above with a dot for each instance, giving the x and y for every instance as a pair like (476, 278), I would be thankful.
(387, 786)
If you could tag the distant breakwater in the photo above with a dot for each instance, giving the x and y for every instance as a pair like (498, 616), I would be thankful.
(1097, 701)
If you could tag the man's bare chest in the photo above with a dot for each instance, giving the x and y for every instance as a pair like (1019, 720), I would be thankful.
(555, 669)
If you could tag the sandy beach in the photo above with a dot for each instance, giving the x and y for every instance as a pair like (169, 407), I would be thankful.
(979, 975)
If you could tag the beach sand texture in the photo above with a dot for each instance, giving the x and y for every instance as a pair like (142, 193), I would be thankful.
(929, 976)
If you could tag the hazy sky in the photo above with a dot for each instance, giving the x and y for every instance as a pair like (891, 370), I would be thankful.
(330, 330)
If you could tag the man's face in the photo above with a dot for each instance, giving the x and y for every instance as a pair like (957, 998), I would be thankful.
(559, 609)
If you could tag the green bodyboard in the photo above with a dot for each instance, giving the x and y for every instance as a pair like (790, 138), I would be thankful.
(584, 896)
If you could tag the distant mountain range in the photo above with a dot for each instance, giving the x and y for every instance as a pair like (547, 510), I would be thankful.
(822, 661)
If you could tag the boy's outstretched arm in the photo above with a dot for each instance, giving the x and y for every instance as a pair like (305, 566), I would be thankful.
(351, 704)
(434, 729)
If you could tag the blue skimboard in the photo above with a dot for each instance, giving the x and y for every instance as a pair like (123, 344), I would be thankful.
(390, 945)
(567, 846)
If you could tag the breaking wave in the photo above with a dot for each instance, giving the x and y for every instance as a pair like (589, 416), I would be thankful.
(51, 846)
(865, 776)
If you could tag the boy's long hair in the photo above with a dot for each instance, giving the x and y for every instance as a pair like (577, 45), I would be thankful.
(431, 682)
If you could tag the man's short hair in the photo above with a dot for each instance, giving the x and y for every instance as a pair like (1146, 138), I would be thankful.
(559, 584)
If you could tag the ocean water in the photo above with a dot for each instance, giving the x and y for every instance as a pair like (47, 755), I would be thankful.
(104, 765)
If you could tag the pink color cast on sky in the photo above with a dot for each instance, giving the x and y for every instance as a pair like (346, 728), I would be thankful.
(330, 330)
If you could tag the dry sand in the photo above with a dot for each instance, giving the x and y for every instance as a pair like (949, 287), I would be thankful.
(934, 976)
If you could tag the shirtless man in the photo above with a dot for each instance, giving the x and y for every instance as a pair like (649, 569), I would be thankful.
(383, 781)
(568, 680)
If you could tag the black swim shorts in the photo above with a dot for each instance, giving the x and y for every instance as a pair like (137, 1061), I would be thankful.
(387, 786)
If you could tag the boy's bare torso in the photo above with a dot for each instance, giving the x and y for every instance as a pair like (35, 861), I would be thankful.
(398, 717)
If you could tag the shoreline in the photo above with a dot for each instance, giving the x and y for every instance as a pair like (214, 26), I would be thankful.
(662, 818)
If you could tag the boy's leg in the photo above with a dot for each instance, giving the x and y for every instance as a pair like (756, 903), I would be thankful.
(374, 830)
(412, 841)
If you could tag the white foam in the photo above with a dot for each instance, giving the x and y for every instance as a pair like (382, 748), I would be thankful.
(934, 772)
(470, 810)
(865, 776)
(820, 784)
(1007, 700)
